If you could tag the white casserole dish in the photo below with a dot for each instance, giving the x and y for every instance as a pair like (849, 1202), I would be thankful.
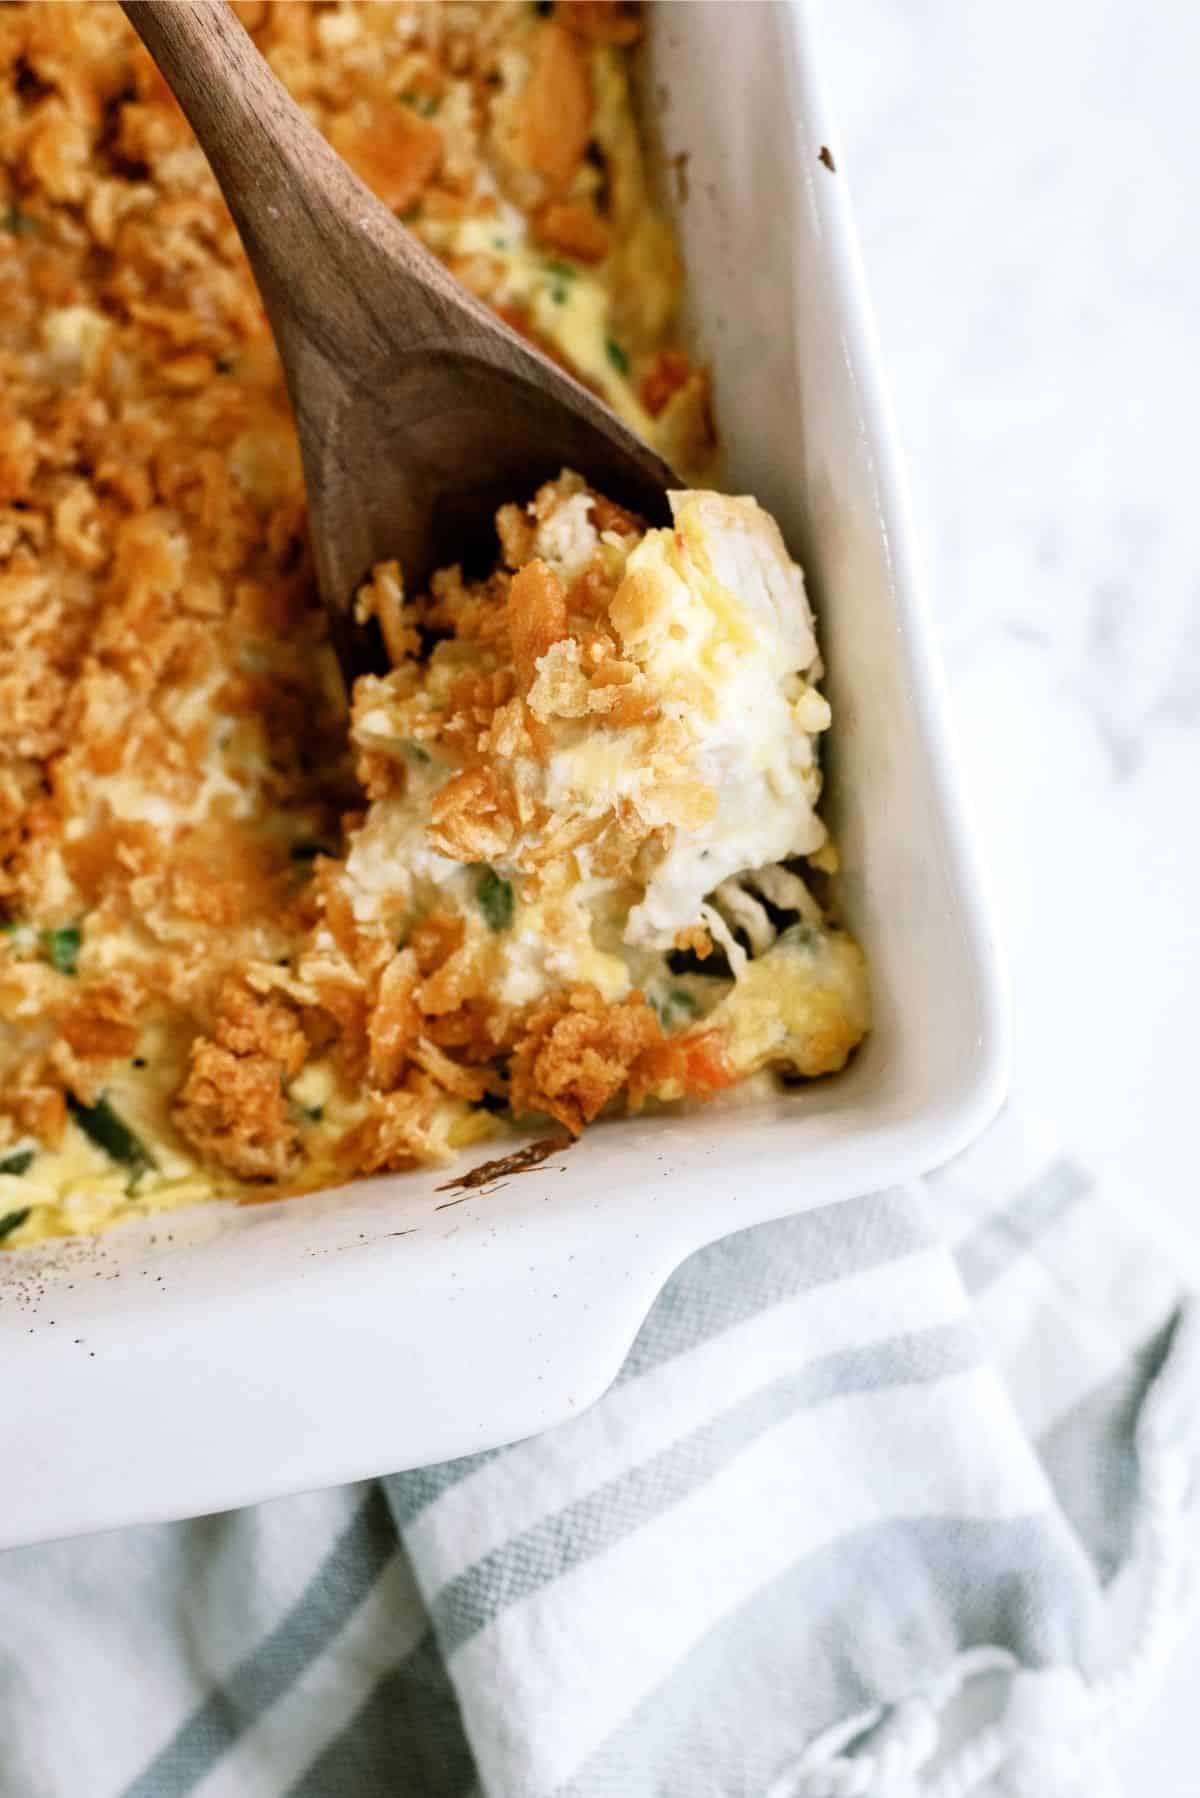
(224, 1355)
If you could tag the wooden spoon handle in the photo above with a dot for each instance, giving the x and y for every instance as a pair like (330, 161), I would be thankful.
(313, 232)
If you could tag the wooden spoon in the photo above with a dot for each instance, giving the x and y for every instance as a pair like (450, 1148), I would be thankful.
(418, 411)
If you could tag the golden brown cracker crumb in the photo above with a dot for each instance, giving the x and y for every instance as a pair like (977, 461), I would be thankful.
(450, 1075)
(604, 21)
(537, 616)
(398, 1132)
(470, 817)
(575, 227)
(233, 1111)
(395, 1020)
(515, 529)
(249, 1024)
(576, 1053)
(392, 147)
(556, 106)
(233, 1105)
(382, 597)
(102, 1025)
(667, 371)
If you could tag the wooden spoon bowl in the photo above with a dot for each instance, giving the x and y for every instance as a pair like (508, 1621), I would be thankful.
(418, 411)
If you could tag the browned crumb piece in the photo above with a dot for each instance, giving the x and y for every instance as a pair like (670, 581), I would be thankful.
(604, 21)
(37, 1110)
(436, 938)
(692, 1065)
(396, 151)
(556, 114)
(233, 1107)
(621, 692)
(475, 1030)
(607, 515)
(450, 1075)
(18, 458)
(395, 1021)
(575, 227)
(102, 1024)
(396, 1135)
(339, 1021)
(516, 530)
(669, 370)
(382, 597)
(113, 859)
(695, 938)
(537, 616)
(577, 1052)
(248, 1024)
(233, 1111)
(470, 818)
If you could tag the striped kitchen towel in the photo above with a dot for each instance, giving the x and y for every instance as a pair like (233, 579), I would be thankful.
(893, 1497)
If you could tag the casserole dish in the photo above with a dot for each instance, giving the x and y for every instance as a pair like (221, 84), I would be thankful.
(222, 1355)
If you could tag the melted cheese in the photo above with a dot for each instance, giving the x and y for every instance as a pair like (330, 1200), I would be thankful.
(566, 304)
(803, 1005)
(550, 944)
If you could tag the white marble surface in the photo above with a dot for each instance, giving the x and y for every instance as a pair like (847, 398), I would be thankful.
(1027, 180)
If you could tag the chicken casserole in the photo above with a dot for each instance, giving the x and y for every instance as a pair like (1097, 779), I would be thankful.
(565, 856)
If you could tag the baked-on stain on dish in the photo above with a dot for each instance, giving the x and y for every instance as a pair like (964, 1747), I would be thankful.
(521, 1161)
